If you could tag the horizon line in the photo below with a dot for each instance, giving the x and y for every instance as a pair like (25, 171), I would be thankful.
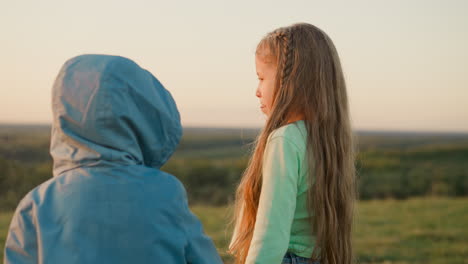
(358, 130)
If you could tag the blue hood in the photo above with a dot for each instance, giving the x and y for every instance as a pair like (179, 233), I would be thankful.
(107, 110)
(108, 202)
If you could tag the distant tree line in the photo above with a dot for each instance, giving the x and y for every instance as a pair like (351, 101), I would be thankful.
(211, 171)
(394, 174)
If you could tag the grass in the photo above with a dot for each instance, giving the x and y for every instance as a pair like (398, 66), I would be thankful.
(423, 230)
(5, 218)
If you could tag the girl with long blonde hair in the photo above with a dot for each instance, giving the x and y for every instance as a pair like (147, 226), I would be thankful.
(295, 201)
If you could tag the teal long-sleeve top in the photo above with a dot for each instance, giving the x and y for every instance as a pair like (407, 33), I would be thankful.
(282, 223)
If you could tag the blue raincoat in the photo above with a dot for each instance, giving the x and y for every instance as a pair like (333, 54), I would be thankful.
(114, 126)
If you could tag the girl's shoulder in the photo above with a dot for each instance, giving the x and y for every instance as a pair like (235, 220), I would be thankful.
(295, 132)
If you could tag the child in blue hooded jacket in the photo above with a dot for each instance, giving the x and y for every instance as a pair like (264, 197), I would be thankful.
(114, 125)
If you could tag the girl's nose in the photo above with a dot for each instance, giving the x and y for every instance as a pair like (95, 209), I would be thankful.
(257, 93)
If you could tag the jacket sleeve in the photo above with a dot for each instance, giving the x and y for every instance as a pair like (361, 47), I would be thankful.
(21, 242)
(200, 248)
(277, 202)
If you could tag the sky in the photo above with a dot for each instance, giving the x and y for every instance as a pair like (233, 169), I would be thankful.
(405, 62)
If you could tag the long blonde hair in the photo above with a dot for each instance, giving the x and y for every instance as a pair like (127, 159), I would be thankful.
(309, 81)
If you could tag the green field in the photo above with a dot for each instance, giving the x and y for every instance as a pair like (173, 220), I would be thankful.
(413, 187)
(423, 230)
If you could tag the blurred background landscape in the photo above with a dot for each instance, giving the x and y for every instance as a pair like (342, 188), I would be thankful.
(406, 70)
(413, 187)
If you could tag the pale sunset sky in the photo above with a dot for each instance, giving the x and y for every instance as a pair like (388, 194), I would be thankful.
(405, 62)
